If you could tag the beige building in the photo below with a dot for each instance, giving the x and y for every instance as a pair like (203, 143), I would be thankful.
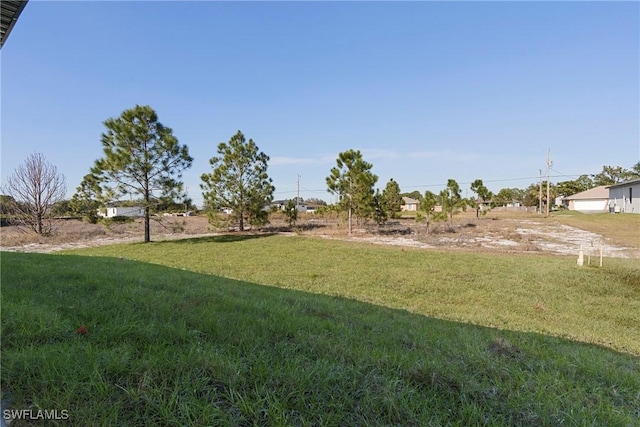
(593, 200)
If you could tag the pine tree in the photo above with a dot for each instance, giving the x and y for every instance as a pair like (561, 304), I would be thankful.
(141, 157)
(239, 181)
(391, 199)
(352, 181)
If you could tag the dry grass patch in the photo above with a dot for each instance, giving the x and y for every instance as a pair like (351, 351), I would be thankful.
(619, 229)
(72, 231)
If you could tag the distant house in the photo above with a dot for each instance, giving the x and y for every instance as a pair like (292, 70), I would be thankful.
(312, 207)
(278, 205)
(409, 205)
(281, 205)
(129, 211)
(625, 197)
(593, 200)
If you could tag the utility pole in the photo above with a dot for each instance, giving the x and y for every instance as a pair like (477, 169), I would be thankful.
(186, 197)
(298, 198)
(540, 193)
(549, 163)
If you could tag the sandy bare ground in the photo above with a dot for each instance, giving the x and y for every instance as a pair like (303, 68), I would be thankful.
(508, 235)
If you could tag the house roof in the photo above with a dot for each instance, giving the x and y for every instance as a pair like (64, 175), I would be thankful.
(10, 11)
(633, 181)
(410, 201)
(601, 192)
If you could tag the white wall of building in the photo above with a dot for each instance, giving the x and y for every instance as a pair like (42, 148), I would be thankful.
(626, 197)
(589, 205)
(133, 212)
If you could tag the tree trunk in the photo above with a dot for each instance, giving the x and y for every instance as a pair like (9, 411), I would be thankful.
(39, 223)
(147, 228)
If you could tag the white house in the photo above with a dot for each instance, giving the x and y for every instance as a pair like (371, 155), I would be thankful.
(625, 196)
(281, 205)
(409, 204)
(130, 211)
(593, 200)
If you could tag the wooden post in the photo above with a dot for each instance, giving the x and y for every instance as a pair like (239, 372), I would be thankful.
(601, 250)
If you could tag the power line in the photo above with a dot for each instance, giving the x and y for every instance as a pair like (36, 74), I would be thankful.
(534, 178)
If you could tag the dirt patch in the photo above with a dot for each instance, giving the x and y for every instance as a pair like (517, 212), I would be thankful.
(504, 235)
(75, 234)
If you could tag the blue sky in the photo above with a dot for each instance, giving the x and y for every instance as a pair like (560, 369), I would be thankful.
(426, 90)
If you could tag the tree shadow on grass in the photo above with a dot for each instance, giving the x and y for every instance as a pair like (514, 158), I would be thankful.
(223, 238)
(220, 333)
(293, 228)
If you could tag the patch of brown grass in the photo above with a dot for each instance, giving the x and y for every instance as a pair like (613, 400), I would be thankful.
(69, 231)
(63, 232)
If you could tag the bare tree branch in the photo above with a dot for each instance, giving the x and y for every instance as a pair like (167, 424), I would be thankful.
(36, 186)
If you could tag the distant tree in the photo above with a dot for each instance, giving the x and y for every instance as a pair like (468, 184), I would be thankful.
(482, 193)
(352, 181)
(452, 201)
(141, 157)
(183, 203)
(428, 208)
(508, 195)
(569, 188)
(532, 194)
(239, 181)
(297, 200)
(291, 211)
(61, 208)
(610, 175)
(316, 201)
(634, 173)
(391, 200)
(36, 186)
(415, 194)
(86, 200)
(7, 205)
(380, 208)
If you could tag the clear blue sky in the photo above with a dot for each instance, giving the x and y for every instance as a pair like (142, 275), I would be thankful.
(426, 90)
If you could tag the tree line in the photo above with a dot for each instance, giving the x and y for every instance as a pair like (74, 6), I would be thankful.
(143, 159)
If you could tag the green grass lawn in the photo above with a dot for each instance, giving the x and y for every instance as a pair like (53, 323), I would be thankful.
(347, 334)
(547, 294)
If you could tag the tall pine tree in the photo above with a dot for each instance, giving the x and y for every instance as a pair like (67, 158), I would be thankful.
(239, 181)
(352, 181)
(142, 158)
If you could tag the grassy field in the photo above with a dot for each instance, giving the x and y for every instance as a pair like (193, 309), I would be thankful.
(538, 293)
(347, 334)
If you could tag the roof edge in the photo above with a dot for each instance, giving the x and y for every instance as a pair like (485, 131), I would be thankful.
(13, 17)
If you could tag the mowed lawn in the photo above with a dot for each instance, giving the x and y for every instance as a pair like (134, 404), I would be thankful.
(186, 333)
(539, 293)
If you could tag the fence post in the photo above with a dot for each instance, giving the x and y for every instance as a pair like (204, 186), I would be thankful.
(601, 250)
(580, 257)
